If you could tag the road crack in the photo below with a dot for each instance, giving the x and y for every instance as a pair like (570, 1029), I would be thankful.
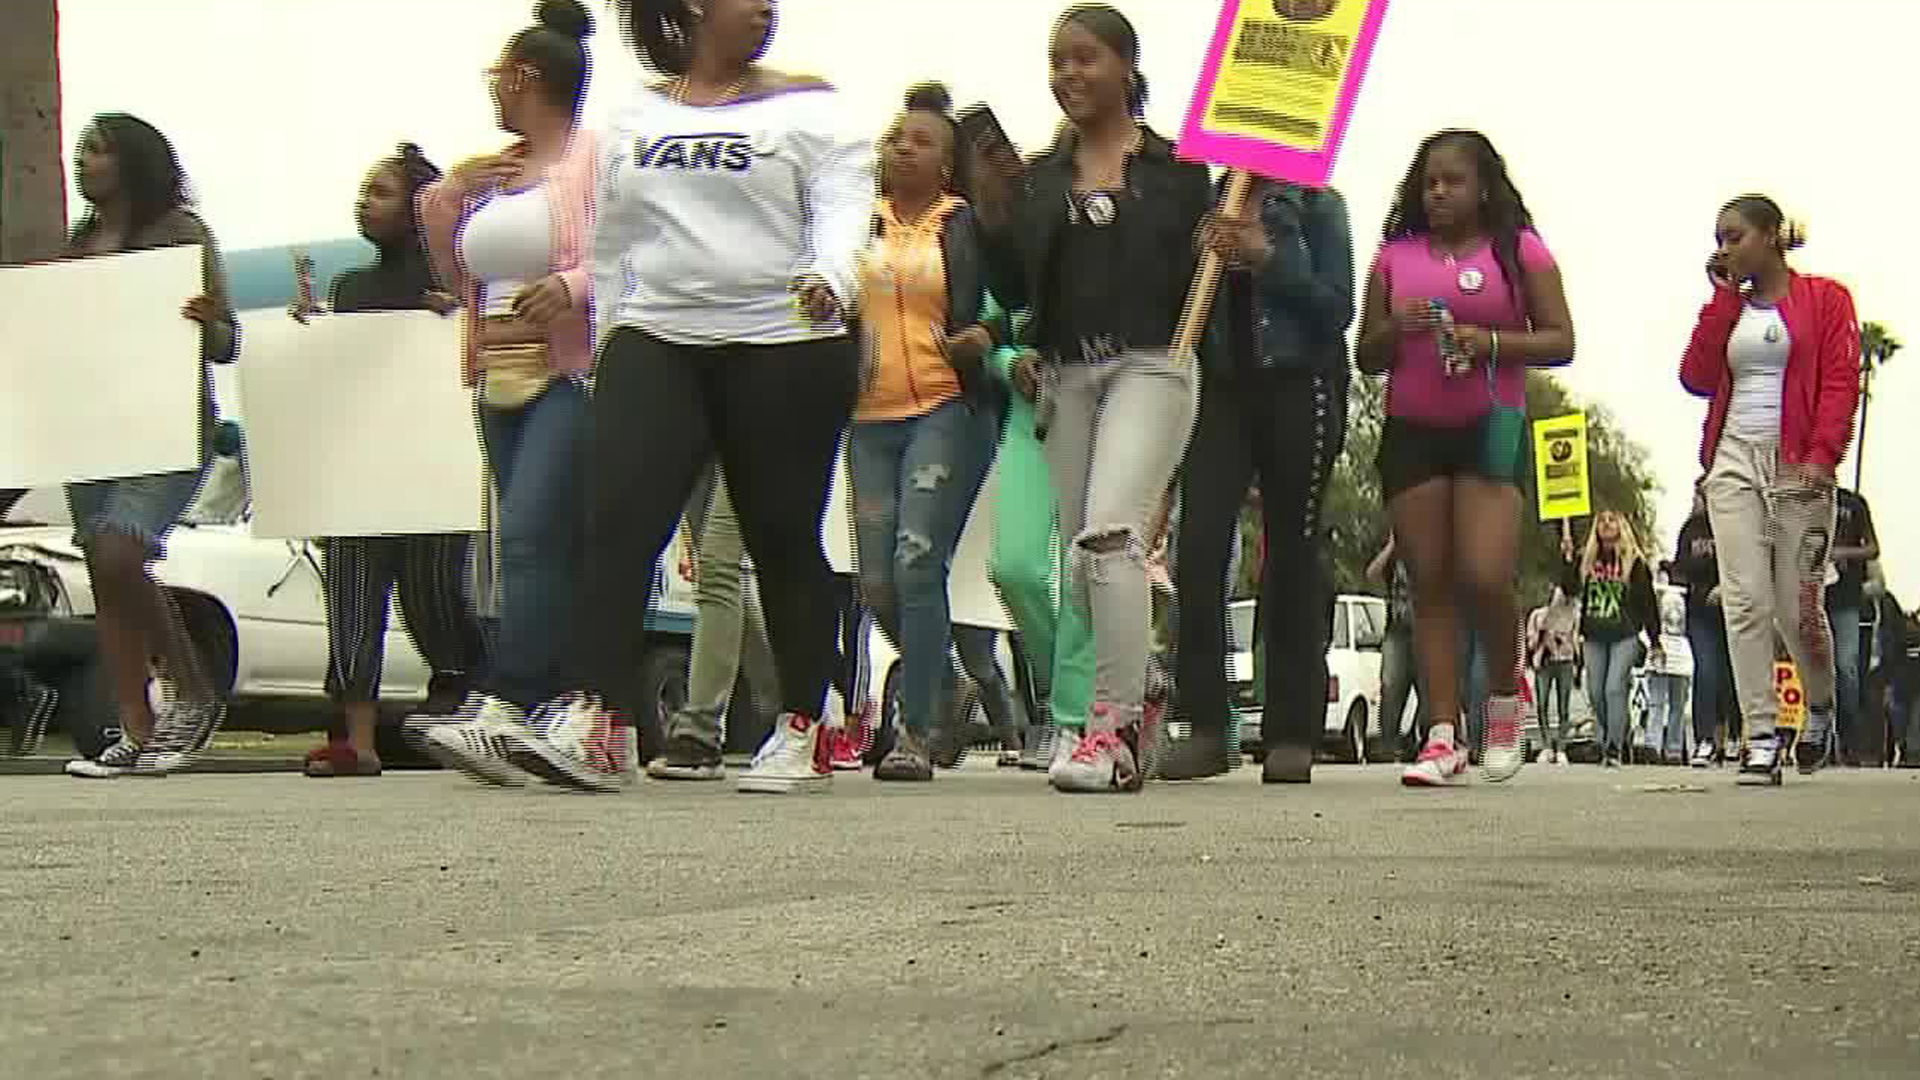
(1055, 1047)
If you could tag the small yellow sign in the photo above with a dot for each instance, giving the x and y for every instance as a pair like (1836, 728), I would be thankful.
(1790, 695)
(1560, 467)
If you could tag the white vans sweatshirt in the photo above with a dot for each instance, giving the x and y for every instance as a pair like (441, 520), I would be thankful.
(707, 213)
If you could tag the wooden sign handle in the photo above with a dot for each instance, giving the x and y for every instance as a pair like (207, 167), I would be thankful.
(1206, 281)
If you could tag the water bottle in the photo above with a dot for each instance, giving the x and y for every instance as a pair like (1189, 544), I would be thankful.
(1452, 359)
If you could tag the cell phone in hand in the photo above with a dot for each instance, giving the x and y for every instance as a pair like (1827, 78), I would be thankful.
(979, 127)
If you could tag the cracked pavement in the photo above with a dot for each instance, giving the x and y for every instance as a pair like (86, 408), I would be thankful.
(1571, 924)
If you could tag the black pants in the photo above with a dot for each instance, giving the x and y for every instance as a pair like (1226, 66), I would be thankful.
(775, 415)
(361, 573)
(1287, 426)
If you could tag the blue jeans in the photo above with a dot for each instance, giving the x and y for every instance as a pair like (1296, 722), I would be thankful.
(1846, 671)
(1609, 673)
(534, 453)
(1666, 713)
(1712, 671)
(914, 482)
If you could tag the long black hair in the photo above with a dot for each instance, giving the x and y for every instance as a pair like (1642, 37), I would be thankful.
(416, 172)
(1503, 213)
(935, 99)
(555, 46)
(151, 179)
(1117, 33)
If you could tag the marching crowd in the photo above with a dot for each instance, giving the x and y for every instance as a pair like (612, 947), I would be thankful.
(668, 318)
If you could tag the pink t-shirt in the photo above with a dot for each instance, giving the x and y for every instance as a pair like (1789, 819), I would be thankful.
(1475, 289)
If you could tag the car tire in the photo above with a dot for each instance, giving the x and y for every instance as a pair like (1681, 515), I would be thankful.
(86, 710)
(663, 691)
(1352, 748)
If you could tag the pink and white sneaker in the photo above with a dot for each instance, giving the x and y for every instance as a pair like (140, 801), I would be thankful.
(1503, 757)
(1102, 761)
(843, 745)
(1439, 765)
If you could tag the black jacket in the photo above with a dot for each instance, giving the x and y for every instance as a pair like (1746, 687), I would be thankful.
(1022, 255)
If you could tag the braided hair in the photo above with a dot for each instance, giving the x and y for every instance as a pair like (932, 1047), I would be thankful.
(1503, 213)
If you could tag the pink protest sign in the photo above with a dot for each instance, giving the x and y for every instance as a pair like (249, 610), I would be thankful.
(1279, 85)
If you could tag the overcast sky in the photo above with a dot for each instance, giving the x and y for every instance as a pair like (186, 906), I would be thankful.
(1627, 124)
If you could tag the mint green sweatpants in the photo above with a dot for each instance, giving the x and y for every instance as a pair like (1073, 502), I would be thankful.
(1029, 569)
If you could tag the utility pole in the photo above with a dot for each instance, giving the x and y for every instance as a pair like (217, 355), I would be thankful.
(33, 178)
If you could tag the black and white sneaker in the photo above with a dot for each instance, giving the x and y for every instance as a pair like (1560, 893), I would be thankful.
(181, 733)
(115, 760)
(1760, 763)
(31, 712)
(687, 757)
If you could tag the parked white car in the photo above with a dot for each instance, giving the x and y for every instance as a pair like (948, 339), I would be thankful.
(1353, 673)
(255, 609)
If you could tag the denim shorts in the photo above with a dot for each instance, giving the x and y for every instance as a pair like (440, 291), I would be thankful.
(144, 507)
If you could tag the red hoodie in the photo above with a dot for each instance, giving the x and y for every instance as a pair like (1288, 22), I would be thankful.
(1822, 384)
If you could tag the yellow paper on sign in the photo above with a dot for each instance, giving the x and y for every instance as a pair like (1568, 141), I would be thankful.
(1560, 467)
(1284, 68)
(1791, 697)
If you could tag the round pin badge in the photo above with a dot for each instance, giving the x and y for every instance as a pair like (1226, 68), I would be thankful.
(1100, 208)
(1472, 280)
(1773, 334)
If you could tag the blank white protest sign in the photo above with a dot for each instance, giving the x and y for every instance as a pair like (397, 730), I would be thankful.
(101, 370)
(358, 425)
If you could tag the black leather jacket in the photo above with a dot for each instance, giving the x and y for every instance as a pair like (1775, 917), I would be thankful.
(1022, 254)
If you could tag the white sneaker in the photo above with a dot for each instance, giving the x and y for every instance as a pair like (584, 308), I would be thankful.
(1439, 765)
(1703, 755)
(796, 758)
(572, 742)
(478, 747)
(1503, 757)
(115, 760)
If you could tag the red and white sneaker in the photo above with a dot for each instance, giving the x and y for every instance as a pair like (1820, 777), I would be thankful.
(795, 759)
(1439, 765)
(843, 749)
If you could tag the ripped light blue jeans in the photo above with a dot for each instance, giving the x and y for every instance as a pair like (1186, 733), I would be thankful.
(1119, 432)
(914, 483)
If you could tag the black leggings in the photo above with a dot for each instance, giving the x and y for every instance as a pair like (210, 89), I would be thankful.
(775, 415)
(1289, 427)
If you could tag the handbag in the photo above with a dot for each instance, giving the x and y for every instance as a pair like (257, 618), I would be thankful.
(515, 374)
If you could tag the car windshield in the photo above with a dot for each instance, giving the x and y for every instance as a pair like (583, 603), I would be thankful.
(1240, 624)
(1370, 624)
(223, 497)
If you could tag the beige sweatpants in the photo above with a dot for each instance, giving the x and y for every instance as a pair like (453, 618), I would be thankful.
(1774, 539)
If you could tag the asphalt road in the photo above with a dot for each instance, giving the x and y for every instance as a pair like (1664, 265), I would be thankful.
(1570, 924)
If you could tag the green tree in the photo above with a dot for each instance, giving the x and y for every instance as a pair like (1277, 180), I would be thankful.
(1356, 520)
(1877, 346)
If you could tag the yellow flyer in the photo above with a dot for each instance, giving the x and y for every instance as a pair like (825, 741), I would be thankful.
(1791, 697)
(1279, 85)
(1562, 483)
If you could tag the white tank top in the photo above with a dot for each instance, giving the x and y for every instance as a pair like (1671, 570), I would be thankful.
(1757, 355)
(507, 244)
